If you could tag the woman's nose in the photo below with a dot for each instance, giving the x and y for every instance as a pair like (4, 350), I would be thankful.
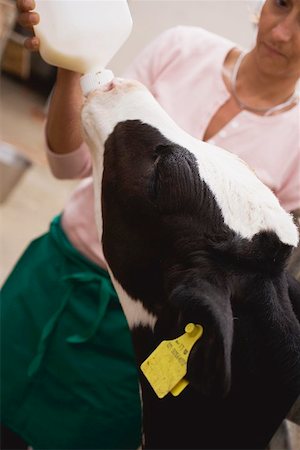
(283, 31)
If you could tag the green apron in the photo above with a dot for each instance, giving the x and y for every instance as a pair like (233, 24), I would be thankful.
(68, 374)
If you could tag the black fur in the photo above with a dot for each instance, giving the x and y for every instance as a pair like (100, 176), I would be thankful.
(166, 242)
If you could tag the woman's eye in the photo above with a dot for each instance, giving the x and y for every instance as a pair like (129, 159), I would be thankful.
(281, 3)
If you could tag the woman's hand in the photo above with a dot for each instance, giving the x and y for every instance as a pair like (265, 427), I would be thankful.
(27, 18)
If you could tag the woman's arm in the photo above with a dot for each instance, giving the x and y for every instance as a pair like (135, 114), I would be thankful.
(63, 129)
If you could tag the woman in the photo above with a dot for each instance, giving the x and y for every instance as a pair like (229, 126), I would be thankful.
(246, 103)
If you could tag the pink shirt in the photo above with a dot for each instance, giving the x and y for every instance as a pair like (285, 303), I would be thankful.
(182, 69)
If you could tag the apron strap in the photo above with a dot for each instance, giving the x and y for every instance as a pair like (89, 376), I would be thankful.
(105, 294)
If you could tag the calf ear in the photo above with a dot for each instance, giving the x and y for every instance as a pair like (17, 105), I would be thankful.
(202, 302)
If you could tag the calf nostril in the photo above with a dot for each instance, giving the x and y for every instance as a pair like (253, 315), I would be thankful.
(109, 86)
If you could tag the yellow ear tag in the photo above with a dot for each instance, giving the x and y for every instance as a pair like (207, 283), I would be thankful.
(166, 367)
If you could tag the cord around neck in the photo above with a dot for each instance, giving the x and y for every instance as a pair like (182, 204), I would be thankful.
(265, 111)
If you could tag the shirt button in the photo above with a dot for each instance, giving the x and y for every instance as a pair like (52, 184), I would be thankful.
(234, 124)
(223, 133)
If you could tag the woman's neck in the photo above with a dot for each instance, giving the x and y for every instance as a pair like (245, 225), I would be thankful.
(253, 81)
(253, 87)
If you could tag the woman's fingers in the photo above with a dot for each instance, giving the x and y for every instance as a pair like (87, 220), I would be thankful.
(25, 5)
(28, 19)
(32, 44)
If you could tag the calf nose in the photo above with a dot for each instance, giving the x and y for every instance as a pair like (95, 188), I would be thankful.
(102, 89)
(109, 86)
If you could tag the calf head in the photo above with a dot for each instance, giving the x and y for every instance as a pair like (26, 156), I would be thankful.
(157, 215)
(184, 226)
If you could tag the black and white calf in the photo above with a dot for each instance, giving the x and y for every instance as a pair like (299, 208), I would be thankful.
(191, 235)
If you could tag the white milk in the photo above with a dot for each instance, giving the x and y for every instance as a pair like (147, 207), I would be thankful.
(82, 35)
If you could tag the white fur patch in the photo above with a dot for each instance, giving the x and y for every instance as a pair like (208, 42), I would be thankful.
(94, 138)
(134, 310)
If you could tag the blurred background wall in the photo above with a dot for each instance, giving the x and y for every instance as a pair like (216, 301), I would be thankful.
(230, 18)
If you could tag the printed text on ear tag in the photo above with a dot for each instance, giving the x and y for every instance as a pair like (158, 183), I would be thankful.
(166, 367)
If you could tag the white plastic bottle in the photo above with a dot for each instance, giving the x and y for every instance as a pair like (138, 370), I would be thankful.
(83, 36)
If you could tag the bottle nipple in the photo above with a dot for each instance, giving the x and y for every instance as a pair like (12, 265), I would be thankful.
(92, 81)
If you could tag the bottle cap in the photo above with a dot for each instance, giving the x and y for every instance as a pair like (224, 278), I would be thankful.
(92, 81)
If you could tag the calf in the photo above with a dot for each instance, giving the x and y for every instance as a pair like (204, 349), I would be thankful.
(191, 235)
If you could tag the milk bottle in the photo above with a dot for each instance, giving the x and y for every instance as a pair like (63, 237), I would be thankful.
(83, 36)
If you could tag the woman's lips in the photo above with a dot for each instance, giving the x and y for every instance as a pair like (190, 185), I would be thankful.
(272, 50)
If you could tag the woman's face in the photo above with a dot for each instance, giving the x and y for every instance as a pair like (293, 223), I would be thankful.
(278, 38)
